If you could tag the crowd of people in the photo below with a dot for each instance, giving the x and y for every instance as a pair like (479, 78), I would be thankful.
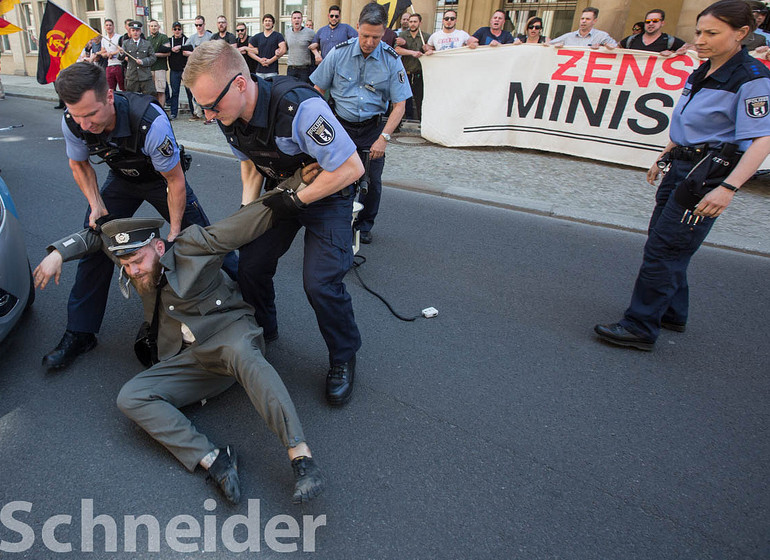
(305, 154)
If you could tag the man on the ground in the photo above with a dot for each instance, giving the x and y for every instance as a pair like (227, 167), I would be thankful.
(410, 53)
(133, 135)
(363, 75)
(140, 57)
(586, 35)
(494, 35)
(110, 51)
(298, 39)
(162, 47)
(206, 339)
(329, 36)
(653, 39)
(270, 46)
(449, 37)
(275, 128)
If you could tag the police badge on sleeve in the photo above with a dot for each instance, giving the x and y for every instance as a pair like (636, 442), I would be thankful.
(167, 148)
(321, 132)
(757, 107)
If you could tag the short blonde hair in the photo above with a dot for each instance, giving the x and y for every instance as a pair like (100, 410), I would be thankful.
(217, 59)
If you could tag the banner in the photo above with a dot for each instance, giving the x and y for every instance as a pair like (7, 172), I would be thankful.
(395, 8)
(6, 27)
(613, 106)
(62, 39)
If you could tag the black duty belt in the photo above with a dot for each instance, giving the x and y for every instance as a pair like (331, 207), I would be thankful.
(368, 122)
(689, 153)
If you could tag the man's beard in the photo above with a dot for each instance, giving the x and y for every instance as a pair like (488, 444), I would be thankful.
(148, 283)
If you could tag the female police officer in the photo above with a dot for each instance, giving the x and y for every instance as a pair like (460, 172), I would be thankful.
(720, 122)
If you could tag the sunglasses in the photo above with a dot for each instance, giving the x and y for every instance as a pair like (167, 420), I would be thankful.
(213, 106)
(538, 27)
(333, 17)
(176, 28)
(241, 30)
(653, 20)
(450, 18)
(198, 25)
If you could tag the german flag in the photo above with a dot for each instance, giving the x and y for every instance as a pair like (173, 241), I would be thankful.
(395, 8)
(6, 27)
(7, 5)
(62, 38)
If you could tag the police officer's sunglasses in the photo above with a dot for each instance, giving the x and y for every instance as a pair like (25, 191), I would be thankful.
(213, 106)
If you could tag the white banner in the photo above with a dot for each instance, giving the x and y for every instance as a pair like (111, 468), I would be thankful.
(608, 105)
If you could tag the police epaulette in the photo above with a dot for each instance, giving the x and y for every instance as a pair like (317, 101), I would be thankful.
(390, 50)
(346, 43)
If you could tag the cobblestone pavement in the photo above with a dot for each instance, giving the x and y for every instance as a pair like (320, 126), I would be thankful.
(549, 184)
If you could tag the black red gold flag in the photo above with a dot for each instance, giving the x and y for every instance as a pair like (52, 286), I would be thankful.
(62, 38)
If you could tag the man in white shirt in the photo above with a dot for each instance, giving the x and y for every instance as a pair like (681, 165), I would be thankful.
(110, 50)
(449, 37)
(586, 35)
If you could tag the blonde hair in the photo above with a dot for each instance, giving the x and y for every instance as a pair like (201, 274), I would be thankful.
(217, 59)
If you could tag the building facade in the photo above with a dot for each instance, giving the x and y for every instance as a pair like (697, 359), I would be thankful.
(19, 51)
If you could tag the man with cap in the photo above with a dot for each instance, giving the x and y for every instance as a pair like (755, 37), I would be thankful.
(363, 75)
(140, 57)
(206, 336)
(275, 127)
(132, 134)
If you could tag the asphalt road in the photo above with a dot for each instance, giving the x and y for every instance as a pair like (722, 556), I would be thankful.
(500, 429)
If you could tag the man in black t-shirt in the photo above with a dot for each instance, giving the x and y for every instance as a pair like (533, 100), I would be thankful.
(652, 38)
(270, 46)
(243, 46)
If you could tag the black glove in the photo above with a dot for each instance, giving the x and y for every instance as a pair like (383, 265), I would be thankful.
(285, 204)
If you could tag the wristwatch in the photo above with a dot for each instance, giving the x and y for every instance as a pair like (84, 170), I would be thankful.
(386, 136)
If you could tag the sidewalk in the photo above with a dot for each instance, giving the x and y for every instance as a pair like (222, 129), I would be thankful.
(526, 180)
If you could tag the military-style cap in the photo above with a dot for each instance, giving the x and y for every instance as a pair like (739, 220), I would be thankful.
(135, 25)
(130, 234)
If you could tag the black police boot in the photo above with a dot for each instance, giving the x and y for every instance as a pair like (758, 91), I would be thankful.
(71, 345)
(339, 382)
(616, 334)
(309, 480)
(224, 471)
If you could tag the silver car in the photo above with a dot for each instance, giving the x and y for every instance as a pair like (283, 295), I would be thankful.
(16, 289)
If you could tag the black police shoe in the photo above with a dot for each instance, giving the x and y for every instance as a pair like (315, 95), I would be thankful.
(224, 471)
(71, 345)
(339, 382)
(309, 480)
(365, 237)
(677, 327)
(616, 334)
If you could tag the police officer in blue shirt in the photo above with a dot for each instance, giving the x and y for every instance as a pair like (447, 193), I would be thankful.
(274, 127)
(132, 134)
(362, 75)
(720, 134)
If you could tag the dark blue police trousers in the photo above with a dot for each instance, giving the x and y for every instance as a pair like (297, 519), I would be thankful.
(328, 257)
(88, 298)
(661, 292)
(363, 137)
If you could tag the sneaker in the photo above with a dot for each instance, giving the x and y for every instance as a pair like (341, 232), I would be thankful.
(309, 480)
(194, 118)
(224, 471)
(209, 121)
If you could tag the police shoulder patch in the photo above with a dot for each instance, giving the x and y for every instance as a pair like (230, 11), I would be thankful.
(401, 76)
(167, 148)
(321, 131)
(757, 107)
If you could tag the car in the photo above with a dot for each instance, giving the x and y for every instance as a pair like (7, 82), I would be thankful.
(17, 291)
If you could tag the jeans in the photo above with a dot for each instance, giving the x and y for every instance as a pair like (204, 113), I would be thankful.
(176, 85)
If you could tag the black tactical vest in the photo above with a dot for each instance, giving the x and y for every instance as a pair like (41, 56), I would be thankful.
(124, 155)
(258, 144)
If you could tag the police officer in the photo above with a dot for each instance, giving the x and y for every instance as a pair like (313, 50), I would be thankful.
(362, 75)
(274, 127)
(720, 131)
(132, 134)
(140, 57)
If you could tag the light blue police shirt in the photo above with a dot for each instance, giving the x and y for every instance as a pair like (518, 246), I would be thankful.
(157, 143)
(362, 86)
(314, 131)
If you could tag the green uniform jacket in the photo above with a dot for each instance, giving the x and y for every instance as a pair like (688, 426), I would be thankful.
(143, 51)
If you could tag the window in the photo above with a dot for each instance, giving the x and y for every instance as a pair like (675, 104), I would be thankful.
(287, 7)
(94, 5)
(250, 16)
(187, 10)
(5, 44)
(156, 12)
(29, 26)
